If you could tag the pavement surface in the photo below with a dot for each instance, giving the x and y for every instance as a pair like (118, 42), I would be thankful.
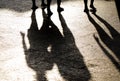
(71, 46)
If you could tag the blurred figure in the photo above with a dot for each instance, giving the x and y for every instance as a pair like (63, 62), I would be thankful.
(43, 5)
(91, 6)
(59, 9)
(34, 5)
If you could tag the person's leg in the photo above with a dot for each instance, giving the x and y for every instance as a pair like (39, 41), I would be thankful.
(92, 4)
(34, 4)
(48, 8)
(42, 2)
(43, 5)
(85, 6)
(59, 9)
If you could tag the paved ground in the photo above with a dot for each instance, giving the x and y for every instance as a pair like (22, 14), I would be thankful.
(76, 47)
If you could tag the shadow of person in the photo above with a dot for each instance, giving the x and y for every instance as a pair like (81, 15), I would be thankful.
(113, 43)
(93, 9)
(37, 56)
(59, 8)
(117, 2)
(62, 51)
(68, 58)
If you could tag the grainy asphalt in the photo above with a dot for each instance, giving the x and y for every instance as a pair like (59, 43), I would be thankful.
(77, 47)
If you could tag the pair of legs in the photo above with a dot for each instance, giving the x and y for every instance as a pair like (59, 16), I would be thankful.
(59, 9)
(91, 5)
(34, 4)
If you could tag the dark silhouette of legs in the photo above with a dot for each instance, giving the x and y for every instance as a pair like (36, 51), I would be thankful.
(43, 5)
(86, 7)
(34, 4)
(117, 2)
(112, 43)
(48, 8)
(91, 6)
(59, 9)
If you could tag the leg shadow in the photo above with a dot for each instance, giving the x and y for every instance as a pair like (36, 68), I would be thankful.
(68, 58)
(86, 9)
(37, 56)
(117, 2)
(112, 43)
(63, 52)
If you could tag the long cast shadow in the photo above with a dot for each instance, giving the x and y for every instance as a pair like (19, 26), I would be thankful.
(70, 61)
(62, 51)
(37, 56)
(112, 43)
(117, 2)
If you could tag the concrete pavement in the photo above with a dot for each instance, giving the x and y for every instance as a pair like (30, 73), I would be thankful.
(87, 46)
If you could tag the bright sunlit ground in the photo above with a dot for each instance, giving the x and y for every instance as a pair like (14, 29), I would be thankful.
(13, 65)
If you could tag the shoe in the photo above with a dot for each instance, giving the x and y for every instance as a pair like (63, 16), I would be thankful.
(60, 9)
(93, 11)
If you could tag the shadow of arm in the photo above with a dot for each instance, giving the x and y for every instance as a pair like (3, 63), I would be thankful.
(23, 42)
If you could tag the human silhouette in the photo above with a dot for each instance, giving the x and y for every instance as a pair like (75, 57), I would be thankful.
(112, 43)
(37, 56)
(59, 9)
(93, 9)
(70, 61)
(43, 5)
(63, 52)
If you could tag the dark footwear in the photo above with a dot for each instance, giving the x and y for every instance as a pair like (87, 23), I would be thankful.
(60, 9)
(34, 7)
(43, 6)
(93, 11)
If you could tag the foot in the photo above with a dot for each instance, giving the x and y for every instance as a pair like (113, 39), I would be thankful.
(43, 6)
(93, 10)
(91, 6)
(60, 9)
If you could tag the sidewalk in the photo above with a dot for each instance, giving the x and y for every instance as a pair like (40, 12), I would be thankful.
(90, 50)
